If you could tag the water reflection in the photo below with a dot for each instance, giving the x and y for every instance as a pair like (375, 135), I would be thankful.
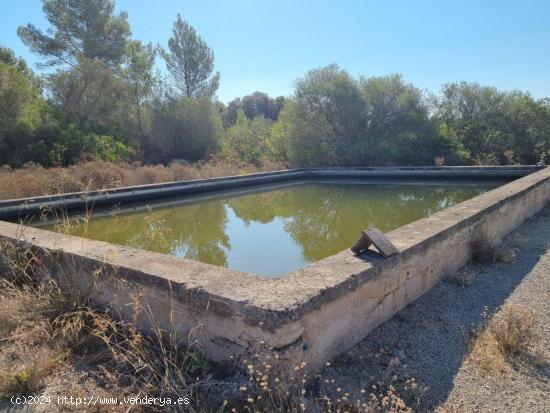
(276, 231)
(325, 219)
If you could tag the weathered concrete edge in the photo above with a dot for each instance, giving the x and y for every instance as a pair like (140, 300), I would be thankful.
(309, 315)
(18, 208)
(260, 299)
(321, 281)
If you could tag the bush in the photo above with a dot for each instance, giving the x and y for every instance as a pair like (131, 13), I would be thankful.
(513, 329)
(463, 277)
(247, 140)
(105, 148)
(182, 128)
(334, 120)
(495, 127)
(33, 180)
(486, 250)
(509, 333)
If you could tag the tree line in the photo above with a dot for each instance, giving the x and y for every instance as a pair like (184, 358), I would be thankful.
(101, 97)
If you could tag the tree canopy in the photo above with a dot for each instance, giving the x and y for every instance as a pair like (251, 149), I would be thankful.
(102, 98)
(79, 29)
(256, 104)
(493, 126)
(191, 62)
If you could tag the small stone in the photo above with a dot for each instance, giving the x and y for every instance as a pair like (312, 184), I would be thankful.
(373, 236)
(362, 244)
(381, 242)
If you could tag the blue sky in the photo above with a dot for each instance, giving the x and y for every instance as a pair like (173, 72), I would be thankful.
(267, 45)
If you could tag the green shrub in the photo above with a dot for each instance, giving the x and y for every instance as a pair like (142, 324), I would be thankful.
(105, 148)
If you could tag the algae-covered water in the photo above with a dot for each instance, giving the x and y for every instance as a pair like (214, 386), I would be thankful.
(275, 231)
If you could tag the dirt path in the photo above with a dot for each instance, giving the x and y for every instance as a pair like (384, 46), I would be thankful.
(431, 338)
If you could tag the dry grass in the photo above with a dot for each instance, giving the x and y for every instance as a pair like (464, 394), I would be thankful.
(268, 391)
(34, 180)
(508, 334)
(26, 339)
(41, 326)
(463, 277)
(485, 250)
(486, 355)
(47, 338)
(513, 329)
(44, 328)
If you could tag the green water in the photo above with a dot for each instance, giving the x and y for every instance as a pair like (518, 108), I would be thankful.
(275, 231)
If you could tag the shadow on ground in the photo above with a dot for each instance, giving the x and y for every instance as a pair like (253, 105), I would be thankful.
(429, 339)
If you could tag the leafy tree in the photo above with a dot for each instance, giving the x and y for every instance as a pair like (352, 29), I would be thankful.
(21, 110)
(8, 57)
(470, 114)
(191, 62)
(260, 104)
(335, 120)
(495, 127)
(138, 75)
(80, 28)
(19, 90)
(90, 95)
(325, 117)
(89, 90)
(256, 104)
(247, 140)
(183, 128)
(398, 129)
(527, 121)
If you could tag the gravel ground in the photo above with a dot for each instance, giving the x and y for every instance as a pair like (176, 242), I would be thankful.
(429, 340)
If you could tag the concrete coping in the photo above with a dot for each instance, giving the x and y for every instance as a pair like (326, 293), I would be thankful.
(271, 303)
(16, 208)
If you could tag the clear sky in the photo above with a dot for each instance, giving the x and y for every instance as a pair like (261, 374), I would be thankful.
(267, 45)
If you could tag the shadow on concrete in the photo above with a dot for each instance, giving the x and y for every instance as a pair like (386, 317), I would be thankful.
(370, 255)
(431, 336)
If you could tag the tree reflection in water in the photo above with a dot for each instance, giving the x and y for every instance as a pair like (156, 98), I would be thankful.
(324, 219)
(194, 231)
(313, 221)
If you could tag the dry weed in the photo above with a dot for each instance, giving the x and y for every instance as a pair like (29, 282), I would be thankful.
(463, 277)
(509, 333)
(34, 365)
(46, 327)
(486, 355)
(41, 325)
(512, 328)
(486, 250)
(34, 180)
(268, 390)
(24, 331)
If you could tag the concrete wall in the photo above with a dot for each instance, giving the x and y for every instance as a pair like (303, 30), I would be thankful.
(309, 315)
(13, 209)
